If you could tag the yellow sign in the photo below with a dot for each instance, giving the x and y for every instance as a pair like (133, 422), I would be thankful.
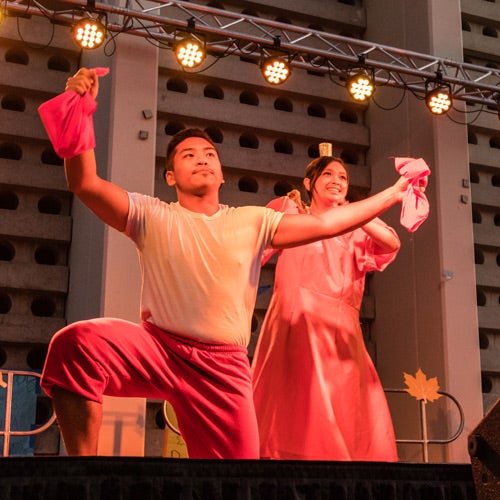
(173, 444)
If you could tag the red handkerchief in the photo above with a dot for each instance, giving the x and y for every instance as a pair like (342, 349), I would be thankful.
(415, 206)
(67, 118)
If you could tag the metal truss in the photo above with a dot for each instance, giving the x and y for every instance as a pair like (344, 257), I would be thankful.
(230, 33)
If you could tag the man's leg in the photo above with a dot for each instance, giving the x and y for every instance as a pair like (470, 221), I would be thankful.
(215, 408)
(79, 421)
(92, 358)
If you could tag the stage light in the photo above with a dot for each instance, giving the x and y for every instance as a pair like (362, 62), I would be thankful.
(438, 96)
(190, 51)
(361, 84)
(189, 47)
(89, 33)
(275, 69)
(275, 63)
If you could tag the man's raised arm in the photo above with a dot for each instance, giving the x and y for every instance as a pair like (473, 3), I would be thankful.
(108, 201)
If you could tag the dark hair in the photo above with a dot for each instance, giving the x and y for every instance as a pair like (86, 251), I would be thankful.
(178, 138)
(314, 169)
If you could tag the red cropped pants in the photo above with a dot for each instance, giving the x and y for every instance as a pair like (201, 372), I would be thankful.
(208, 385)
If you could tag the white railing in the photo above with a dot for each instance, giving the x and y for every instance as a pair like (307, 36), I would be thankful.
(425, 441)
(7, 432)
(8, 385)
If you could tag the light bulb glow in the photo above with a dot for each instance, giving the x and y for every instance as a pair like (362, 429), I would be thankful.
(189, 53)
(439, 102)
(89, 33)
(360, 87)
(275, 70)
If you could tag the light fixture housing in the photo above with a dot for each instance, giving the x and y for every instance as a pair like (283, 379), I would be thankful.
(438, 96)
(190, 49)
(275, 69)
(360, 83)
(90, 32)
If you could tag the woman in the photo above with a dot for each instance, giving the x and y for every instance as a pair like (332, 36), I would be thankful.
(316, 391)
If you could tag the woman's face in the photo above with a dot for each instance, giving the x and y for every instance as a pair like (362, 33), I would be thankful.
(331, 185)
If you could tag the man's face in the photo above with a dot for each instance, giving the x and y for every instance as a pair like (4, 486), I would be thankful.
(197, 167)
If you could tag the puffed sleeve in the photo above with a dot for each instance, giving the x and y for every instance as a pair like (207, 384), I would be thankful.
(367, 254)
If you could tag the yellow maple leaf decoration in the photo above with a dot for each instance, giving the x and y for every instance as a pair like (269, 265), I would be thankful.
(421, 387)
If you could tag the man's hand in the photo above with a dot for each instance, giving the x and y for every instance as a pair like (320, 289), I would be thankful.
(83, 81)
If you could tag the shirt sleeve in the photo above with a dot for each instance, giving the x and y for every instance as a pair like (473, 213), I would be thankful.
(282, 205)
(141, 207)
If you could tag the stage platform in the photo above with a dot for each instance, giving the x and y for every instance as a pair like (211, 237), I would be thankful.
(128, 478)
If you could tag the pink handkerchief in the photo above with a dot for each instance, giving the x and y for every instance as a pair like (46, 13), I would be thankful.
(415, 206)
(67, 118)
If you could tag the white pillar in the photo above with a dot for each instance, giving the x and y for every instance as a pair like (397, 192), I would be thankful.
(105, 274)
(460, 327)
(426, 314)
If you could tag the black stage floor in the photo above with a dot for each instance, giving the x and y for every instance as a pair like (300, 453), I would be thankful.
(128, 478)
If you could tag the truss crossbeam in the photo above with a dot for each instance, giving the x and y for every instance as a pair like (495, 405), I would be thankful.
(245, 35)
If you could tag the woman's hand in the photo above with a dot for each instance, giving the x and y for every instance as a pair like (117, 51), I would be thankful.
(401, 185)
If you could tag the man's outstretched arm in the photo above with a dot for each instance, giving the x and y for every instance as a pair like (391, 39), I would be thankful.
(299, 229)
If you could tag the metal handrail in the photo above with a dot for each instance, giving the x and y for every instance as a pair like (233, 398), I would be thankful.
(425, 441)
(7, 432)
(168, 422)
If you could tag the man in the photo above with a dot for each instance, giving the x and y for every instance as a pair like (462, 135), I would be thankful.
(200, 265)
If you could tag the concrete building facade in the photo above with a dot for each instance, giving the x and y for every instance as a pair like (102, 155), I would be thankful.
(436, 308)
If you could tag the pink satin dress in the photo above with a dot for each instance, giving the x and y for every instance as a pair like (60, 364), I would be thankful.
(316, 391)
